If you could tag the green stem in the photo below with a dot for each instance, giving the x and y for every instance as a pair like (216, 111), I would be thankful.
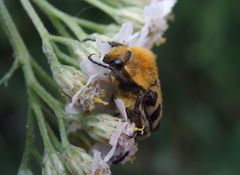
(16, 41)
(113, 3)
(50, 10)
(54, 12)
(61, 30)
(99, 28)
(7, 24)
(41, 122)
(48, 50)
(57, 108)
(47, 47)
(119, 13)
(21, 52)
(76, 45)
(29, 140)
(75, 29)
(35, 19)
(54, 140)
(66, 58)
(44, 77)
(37, 156)
(59, 26)
(24, 57)
(50, 117)
(10, 73)
(104, 7)
(66, 41)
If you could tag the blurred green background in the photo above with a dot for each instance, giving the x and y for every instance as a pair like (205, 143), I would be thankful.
(199, 71)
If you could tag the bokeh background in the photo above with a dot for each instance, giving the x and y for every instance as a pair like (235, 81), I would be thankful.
(199, 70)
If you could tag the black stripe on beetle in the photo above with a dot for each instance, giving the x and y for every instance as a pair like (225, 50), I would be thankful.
(153, 117)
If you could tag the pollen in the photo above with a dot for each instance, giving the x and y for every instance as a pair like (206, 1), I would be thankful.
(99, 100)
(139, 129)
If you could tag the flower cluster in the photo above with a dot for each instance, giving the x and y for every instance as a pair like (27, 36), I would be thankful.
(115, 136)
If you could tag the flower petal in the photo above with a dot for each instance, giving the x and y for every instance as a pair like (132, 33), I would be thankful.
(99, 166)
(75, 96)
(114, 140)
(103, 47)
(90, 68)
(124, 33)
(72, 109)
(121, 107)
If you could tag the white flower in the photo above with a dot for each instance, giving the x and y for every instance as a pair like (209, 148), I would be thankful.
(155, 19)
(155, 24)
(83, 99)
(123, 144)
(155, 14)
(117, 137)
(99, 166)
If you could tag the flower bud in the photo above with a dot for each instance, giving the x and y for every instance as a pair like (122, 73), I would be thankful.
(69, 79)
(100, 126)
(78, 160)
(53, 164)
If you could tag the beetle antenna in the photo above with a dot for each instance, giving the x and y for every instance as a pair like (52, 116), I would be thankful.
(97, 63)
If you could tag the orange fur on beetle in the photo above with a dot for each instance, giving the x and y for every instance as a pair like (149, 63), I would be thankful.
(142, 69)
